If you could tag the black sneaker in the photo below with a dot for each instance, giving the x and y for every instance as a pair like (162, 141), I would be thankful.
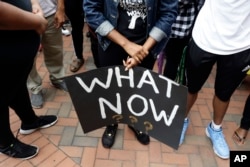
(20, 150)
(42, 122)
(60, 85)
(108, 136)
(143, 138)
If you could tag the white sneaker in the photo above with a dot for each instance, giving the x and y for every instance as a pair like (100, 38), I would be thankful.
(65, 32)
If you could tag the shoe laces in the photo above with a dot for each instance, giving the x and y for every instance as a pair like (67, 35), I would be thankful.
(219, 138)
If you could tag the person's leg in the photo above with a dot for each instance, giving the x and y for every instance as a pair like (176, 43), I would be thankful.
(230, 73)
(20, 57)
(6, 133)
(148, 63)
(173, 52)
(74, 11)
(20, 103)
(198, 67)
(245, 120)
(19, 99)
(16, 96)
(34, 84)
(94, 46)
(53, 54)
(241, 132)
(94, 49)
(112, 56)
(220, 108)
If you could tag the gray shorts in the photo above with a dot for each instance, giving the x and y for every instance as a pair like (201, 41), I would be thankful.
(230, 70)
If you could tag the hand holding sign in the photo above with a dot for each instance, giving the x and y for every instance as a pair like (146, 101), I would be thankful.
(139, 97)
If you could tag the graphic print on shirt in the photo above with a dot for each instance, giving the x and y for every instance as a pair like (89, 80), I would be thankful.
(135, 9)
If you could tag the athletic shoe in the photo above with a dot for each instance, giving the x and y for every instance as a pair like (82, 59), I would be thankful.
(20, 150)
(65, 31)
(219, 143)
(37, 100)
(42, 122)
(184, 130)
(108, 137)
(60, 85)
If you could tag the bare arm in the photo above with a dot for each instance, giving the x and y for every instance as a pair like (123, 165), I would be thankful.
(60, 14)
(36, 8)
(13, 18)
(133, 61)
(134, 50)
(149, 43)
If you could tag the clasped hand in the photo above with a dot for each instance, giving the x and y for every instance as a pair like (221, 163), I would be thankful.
(136, 55)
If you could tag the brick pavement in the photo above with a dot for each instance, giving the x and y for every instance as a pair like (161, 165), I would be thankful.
(65, 145)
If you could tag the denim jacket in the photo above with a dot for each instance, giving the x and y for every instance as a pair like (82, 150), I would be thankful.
(102, 16)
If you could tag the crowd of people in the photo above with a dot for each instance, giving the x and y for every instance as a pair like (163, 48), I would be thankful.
(129, 33)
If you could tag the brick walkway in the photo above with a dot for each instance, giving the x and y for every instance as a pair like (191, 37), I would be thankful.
(65, 145)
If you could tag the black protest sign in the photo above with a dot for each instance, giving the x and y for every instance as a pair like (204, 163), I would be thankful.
(139, 97)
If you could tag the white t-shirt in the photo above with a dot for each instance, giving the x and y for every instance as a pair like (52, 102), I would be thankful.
(223, 26)
(49, 7)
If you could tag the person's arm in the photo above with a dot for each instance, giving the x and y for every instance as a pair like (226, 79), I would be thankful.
(102, 26)
(134, 50)
(60, 14)
(36, 8)
(134, 61)
(167, 13)
(13, 18)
